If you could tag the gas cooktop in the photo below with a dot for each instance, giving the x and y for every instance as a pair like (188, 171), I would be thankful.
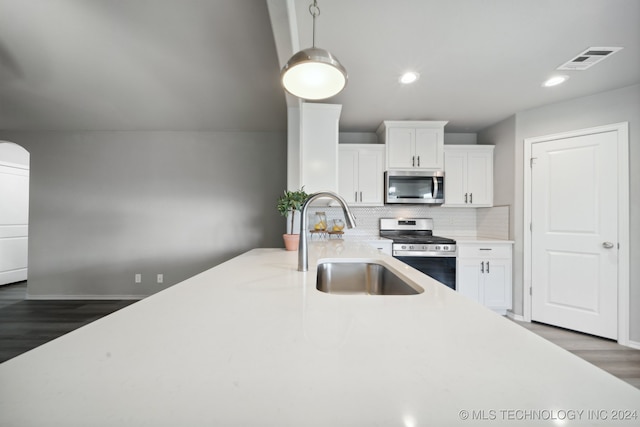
(414, 237)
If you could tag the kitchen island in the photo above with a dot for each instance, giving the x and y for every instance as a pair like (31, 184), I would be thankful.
(251, 342)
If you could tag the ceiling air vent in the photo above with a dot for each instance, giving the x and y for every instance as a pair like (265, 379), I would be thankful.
(589, 58)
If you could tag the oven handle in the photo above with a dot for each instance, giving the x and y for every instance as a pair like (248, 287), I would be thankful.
(422, 254)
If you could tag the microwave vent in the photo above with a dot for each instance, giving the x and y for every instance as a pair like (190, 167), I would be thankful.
(589, 58)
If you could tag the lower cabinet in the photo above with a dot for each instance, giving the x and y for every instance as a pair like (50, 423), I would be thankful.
(382, 245)
(484, 274)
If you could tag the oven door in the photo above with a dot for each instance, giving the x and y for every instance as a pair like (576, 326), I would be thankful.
(441, 268)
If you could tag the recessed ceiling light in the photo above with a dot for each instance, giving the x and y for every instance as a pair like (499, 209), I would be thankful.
(409, 77)
(555, 81)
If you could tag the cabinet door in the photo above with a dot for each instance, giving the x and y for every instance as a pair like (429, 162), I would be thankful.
(319, 146)
(400, 148)
(497, 284)
(371, 176)
(480, 178)
(455, 178)
(428, 149)
(468, 279)
(348, 174)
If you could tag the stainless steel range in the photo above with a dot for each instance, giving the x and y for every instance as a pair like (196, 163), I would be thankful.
(415, 245)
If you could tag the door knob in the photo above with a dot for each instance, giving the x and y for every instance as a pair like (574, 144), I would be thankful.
(607, 245)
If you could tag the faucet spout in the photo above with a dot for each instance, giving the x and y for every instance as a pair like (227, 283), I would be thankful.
(303, 245)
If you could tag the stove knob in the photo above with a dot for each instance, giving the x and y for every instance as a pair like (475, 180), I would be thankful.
(411, 247)
(445, 248)
(437, 247)
(404, 247)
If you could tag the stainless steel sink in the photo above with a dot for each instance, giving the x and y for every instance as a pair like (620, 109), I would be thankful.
(361, 278)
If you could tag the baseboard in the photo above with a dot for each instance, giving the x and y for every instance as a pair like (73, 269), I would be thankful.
(518, 317)
(633, 344)
(13, 276)
(86, 297)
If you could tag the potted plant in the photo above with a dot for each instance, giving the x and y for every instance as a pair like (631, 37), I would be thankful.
(288, 204)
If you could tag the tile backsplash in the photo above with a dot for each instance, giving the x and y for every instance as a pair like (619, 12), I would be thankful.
(493, 223)
(449, 222)
(445, 220)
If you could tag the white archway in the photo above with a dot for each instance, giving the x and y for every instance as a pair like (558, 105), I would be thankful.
(14, 215)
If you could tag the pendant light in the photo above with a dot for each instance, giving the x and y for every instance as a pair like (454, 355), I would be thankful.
(313, 73)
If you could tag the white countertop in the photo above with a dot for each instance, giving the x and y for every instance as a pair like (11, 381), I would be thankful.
(475, 239)
(251, 342)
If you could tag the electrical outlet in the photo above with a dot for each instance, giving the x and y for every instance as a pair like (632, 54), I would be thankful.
(138, 278)
(160, 278)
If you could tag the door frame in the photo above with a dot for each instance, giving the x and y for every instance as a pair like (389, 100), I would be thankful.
(624, 300)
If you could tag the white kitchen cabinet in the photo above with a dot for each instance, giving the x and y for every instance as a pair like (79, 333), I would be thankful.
(318, 148)
(468, 176)
(384, 246)
(361, 173)
(483, 273)
(412, 144)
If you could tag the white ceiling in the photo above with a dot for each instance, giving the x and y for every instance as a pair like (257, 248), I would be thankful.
(212, 64)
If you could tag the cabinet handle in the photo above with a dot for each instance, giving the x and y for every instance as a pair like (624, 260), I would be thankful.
(482, 268)
(418, 161)
(487, 267)
(361, 196)
(413, 161)
(356, 196)
(465, 197)
(470, 197)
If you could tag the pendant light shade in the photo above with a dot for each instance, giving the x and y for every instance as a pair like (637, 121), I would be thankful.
(313, 73)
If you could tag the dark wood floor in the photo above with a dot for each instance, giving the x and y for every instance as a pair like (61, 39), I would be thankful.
(26, 324)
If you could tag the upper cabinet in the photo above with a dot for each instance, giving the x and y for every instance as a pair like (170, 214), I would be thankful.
(317, 149)
(468, 176)
(360, 173)
(412, 144)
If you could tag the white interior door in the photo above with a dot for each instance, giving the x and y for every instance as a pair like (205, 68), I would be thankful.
(14, 212)
(574, 259)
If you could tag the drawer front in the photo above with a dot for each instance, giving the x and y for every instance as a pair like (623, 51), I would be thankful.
(484, 251)
(382, 245)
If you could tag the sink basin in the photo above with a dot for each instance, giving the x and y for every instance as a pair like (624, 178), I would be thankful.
(361, 278)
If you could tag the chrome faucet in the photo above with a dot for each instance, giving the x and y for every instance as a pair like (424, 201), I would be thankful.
(303, 247)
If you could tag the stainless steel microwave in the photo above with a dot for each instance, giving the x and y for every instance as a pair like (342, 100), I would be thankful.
(414, 187)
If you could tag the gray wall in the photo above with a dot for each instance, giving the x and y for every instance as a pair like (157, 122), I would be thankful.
(107, 205)
(620, 105)
(502, 135)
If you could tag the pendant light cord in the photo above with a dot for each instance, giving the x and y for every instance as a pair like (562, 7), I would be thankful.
(314, 10)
